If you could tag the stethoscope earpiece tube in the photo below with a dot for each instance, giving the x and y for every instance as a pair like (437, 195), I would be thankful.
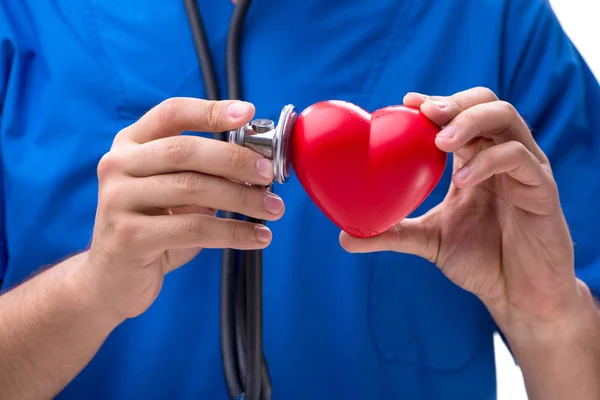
(244, 366)
(207, 69)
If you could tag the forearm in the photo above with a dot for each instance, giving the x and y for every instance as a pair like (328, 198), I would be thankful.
(50, 328)
(564, 361)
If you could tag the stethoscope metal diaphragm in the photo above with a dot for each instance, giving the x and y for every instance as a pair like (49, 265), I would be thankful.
(270, 140)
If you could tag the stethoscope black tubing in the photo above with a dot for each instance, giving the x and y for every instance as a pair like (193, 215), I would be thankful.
(244, 364)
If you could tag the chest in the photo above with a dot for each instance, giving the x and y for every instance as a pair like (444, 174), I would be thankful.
(89, 69)
(123, 57)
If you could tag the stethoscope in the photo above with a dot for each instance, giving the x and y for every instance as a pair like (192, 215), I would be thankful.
(244, 365)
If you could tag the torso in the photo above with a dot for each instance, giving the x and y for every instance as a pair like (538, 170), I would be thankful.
(336, 325)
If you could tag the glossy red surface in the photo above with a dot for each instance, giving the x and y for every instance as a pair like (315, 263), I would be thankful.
(366, 172)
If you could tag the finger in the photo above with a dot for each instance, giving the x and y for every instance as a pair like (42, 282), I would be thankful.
(167, 232)
(498, 121)
(190, 153)
(413, 99)
(513, 159)
(473, 147)
(442, 110)
(175, 115)
(411, 236)
(190, 188)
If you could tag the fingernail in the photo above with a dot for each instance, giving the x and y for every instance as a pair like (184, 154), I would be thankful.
(439, 104)
(263, 234)
(238, 109)
(273, 204)
(462, 173)
(448, 132)
(265, 168)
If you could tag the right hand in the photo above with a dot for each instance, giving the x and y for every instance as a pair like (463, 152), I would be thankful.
(158, 195)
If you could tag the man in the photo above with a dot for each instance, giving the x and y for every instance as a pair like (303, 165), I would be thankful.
(99, 184)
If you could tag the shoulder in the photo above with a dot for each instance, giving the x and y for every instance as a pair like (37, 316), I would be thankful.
(522, 18)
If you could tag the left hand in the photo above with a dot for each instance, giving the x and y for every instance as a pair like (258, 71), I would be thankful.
(500, 232)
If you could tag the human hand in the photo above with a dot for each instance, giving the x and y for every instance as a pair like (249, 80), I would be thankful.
(158, 195)
(500, 232)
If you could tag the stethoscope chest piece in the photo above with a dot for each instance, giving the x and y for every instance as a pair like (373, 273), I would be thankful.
(270, 140)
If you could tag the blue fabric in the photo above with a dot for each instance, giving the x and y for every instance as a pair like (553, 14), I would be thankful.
(73, 73)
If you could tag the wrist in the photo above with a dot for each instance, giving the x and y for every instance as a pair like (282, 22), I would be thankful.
(85, 288)
(559, 357)
(580, 321)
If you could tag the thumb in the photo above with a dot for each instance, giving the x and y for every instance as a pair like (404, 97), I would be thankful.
(178, 114)
(411, 236)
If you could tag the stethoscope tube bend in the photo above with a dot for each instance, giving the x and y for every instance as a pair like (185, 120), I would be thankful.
(244, 366)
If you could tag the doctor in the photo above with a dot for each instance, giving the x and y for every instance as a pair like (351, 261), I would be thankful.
(109, 240)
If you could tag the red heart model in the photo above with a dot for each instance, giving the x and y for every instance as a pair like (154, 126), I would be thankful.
(366, 172)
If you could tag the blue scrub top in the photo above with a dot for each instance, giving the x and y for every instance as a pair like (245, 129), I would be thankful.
(337, 326)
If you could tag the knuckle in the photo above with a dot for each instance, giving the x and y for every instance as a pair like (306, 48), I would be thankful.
(554, 191)
(122, 135)
(456, 107)
(126, 231)
(110, 197)
(197, 226)
(187, 183)
(452, 102)
(546, 195)
(239, 233)
(471, 123)
(548, 169)
(236, 159)
(518, 149)
(243, 195)
(214, 115)
(109, 164)
(169, 109)
(476, 114)
(178, 151)
(486, 93)
(507, 108)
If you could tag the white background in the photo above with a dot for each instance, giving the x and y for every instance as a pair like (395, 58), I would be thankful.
(579, 18)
